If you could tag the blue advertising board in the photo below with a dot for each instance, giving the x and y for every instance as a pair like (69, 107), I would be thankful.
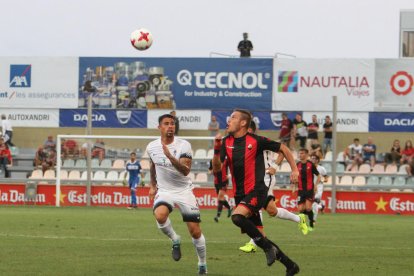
(391, 122)
(103, 118)
(179, 83)
(264, 120)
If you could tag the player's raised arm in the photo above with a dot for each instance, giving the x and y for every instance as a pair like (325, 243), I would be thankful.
(183, 165)
(216, 157)
(291, 160)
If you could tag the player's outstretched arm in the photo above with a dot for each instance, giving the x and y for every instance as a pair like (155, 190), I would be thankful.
(216, 157)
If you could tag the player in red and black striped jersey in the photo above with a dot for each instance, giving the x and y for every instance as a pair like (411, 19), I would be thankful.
(272, 161)
(244, 152)
(221, 181)
(306, 185)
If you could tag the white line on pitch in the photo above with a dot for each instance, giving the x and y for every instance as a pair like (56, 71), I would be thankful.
(54, 237)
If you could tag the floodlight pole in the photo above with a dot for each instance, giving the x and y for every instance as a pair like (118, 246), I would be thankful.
(89, 153)
(334, 154)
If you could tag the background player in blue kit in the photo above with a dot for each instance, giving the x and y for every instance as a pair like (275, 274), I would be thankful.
(133, 167)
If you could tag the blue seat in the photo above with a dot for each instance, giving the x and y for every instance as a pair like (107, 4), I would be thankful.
(373, 180)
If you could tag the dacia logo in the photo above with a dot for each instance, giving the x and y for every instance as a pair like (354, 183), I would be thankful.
(123, 116)
(20, 75)
(84, 117)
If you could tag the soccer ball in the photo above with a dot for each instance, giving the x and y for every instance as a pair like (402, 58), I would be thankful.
(141, 39)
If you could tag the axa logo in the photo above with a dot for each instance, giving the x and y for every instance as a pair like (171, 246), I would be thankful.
(401, 83)
(288, 81)
(20, 75)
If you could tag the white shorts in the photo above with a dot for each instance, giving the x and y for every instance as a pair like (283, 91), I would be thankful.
(270, 181)
(185, 201)
(319, 191)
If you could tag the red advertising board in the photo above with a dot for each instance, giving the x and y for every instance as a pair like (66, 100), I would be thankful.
(75, 195)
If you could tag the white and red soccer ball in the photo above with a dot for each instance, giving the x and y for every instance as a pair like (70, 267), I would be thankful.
(141, 39)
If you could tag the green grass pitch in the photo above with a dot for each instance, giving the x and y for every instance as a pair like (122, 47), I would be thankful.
(114, 241)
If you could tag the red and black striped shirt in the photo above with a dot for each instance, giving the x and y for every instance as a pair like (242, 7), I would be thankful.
(306, 172)
(246, 162)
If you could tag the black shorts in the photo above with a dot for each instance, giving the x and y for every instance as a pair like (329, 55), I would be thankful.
(221, 186)
(255, 217)
(254, 201)
(305, 195)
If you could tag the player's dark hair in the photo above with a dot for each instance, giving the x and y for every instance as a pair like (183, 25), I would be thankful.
(132, 153)
(246, 115)
(253, 126)
(356, 139)
(162, 117)
(304, 150)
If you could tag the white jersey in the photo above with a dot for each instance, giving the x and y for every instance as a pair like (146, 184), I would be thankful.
(168, 178)
(319, 186)
(269, 160)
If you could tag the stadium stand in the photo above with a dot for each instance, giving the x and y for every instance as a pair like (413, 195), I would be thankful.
(346, 180)
(68, 163)
(373, 180)
(106, 164)
(201, 178)
(359, 180)
(118, 164)
(364, 169)
(378, 169)
(63, 174)
(399, 181)
(112, 176)
(74, 175)
(49, 174)
(328, 156)
(110, 171)
(200, 154)
(99, 175)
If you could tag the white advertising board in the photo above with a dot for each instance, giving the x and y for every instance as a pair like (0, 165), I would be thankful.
(189, 119)
(394, 82)
(346, 121)
(32, 117)
(39, 82)
(310, 84)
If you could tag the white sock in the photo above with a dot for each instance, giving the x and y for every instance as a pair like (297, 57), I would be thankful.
(315, 209)
(167, 229)
(285, 214)
(252, 242)
(201, 249)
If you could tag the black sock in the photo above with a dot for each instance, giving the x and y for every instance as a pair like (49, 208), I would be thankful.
(310, 216)
(226, 204)
(281, 257)
(250, 229)
(219, 208)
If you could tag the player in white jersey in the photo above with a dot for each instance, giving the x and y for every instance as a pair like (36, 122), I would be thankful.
(272, 160)
(318, 204)
(170, 186)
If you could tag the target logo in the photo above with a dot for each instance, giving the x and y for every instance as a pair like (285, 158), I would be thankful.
(401, 83)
